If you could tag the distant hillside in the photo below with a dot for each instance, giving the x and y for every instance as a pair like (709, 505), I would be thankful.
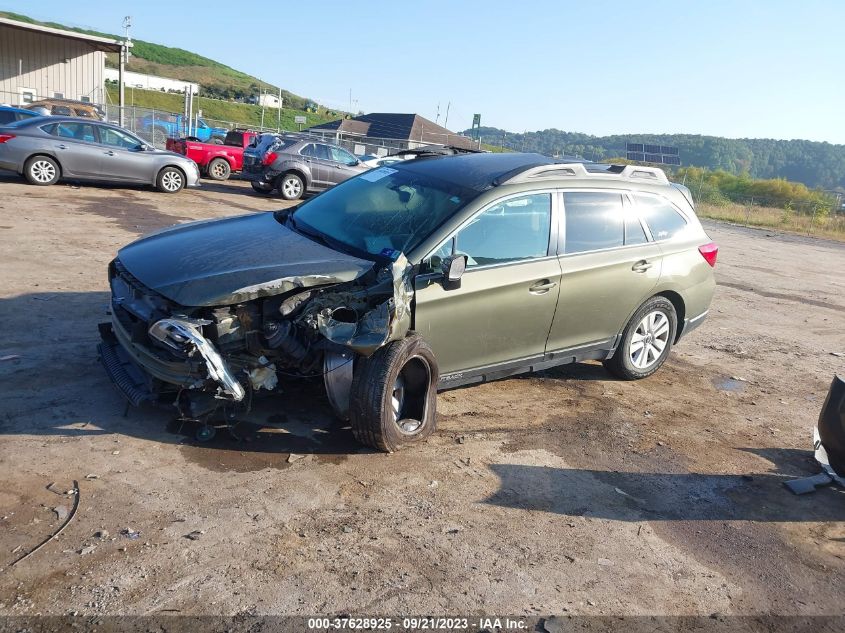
(815, 164)
(216, 80)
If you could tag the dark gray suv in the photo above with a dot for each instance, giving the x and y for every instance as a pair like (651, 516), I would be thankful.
(293, 165)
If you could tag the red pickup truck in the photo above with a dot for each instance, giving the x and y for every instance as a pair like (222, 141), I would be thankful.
(215, 161)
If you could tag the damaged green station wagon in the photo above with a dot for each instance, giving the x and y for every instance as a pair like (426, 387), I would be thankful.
(428, 274)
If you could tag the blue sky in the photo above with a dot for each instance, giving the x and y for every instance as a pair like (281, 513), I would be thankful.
(736, 68)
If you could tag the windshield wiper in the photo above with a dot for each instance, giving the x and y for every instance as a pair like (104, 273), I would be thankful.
(315, 235)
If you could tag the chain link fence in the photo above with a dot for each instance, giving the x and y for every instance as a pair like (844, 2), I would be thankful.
(156, 126)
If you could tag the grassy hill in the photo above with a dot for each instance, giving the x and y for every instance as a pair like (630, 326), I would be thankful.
(217, 112)
(215, 79)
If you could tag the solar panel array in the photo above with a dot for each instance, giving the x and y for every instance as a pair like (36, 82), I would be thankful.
(646, 153)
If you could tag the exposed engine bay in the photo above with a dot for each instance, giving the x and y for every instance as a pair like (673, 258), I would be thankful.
(206, 358)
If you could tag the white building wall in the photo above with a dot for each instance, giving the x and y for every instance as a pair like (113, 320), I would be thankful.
(48, 65)
(150, 82)
(269, 101)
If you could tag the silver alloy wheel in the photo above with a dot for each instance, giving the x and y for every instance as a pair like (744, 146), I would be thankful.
(292, 187)
(171, 181)
(649, 340)
(42, 171)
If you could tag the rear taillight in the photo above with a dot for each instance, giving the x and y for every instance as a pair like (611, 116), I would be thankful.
(269, 158)
(6, 137)
(709, 252)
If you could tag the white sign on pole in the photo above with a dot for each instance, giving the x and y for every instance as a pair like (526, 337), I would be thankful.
(299, 119)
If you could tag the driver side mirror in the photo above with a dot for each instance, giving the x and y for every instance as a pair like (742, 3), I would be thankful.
(143, 147)
(453, 268)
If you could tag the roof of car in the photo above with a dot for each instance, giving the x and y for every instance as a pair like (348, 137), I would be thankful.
(58, 101)
(21, 110)
(71, 119)
(475, 171)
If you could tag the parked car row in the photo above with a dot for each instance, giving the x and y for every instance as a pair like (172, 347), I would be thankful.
(45, 149)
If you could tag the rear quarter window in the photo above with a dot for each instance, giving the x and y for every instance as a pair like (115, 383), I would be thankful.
(661, 217)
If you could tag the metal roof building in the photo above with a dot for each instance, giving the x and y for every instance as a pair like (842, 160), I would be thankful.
(38, 62)
(408, 130)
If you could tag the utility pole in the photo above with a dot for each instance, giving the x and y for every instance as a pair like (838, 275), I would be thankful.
(124, 58)
(437, 119)
(350, 100)
(446, 122)
(279, 127)
(262, 99)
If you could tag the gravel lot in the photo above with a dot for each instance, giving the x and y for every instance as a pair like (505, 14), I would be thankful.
(561, 492)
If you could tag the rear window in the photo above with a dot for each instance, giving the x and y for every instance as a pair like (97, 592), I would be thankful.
(594, 221)
(234, 138)
(6, 116)
(662, 218)
(274, 143)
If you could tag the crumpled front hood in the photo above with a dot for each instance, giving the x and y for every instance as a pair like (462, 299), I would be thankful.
(221, 262)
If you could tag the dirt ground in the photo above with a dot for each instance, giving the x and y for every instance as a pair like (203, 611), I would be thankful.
(565, 492)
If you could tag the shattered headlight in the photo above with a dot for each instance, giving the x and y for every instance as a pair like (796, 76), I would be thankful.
(176, 333)
(185, 335)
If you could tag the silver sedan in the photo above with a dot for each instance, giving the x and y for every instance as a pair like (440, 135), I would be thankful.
(46, 149)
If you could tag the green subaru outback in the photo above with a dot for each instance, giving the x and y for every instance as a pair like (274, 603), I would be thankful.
(404, 280)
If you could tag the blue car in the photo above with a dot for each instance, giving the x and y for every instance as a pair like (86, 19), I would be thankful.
(10, 115)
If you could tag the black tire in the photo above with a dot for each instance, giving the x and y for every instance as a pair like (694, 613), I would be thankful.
(170, 180)
(218, 169)
(371, 403)
(621, 364)
(42, 171)
(290, 186)
(258, 188)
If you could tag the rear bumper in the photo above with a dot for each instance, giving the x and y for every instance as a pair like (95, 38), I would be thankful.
(691, 324)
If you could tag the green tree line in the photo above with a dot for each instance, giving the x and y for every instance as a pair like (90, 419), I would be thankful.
(817, 165)
(721, 188)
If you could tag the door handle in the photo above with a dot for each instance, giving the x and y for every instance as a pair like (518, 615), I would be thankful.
(109, 153)
(62, 146)
(641, 266)
(542, 287)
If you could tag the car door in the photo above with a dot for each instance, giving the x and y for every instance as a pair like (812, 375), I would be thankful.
(343, 165)
(76, 148)
(122, 157)
(323, 166)
(504, 306)
(319, 173)
(609, 268)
